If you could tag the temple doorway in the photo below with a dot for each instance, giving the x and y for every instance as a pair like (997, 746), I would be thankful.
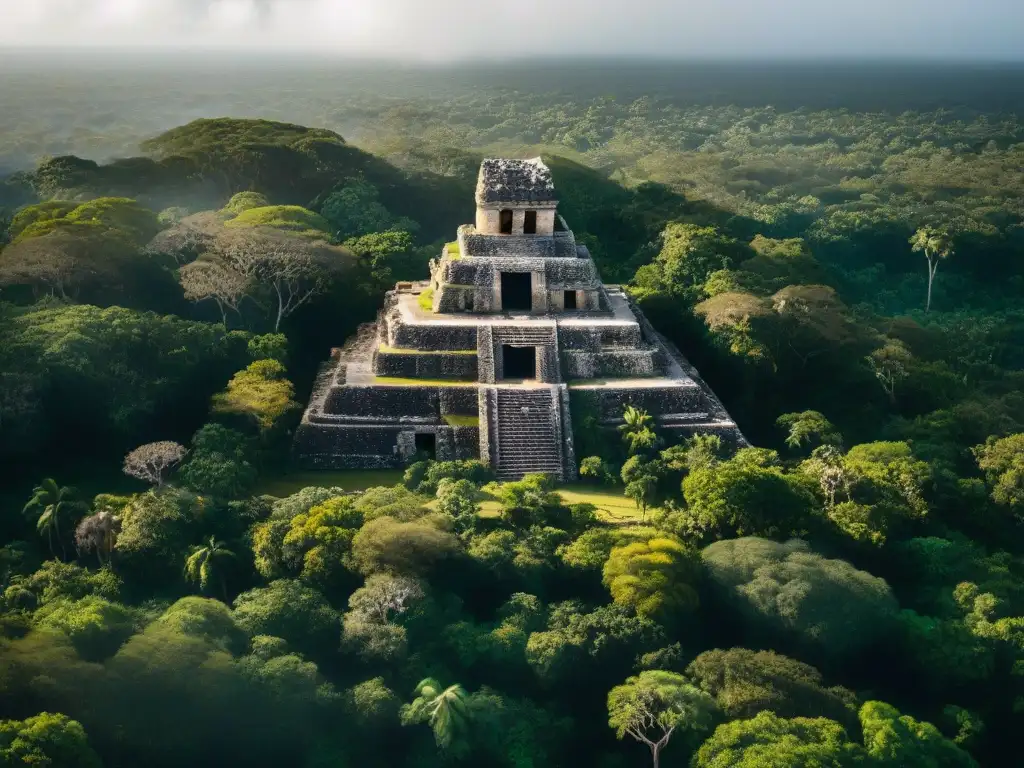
(426, 444)
(518, 362)
(516, 291)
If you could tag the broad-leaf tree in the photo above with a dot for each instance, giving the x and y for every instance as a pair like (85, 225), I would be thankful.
(655, 705)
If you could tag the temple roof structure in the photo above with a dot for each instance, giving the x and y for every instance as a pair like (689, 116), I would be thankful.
(504, 180)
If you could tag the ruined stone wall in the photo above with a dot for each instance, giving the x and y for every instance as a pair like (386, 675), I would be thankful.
(487, 404)
(426, 365)
(570, 469)
(436, 337)
(625, 363)
(458, 400)
(657, 401)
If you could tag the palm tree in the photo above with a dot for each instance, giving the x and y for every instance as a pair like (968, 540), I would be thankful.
(446, 710)
(638, 429)
(50, 501)
(204, 563)
(936, 244)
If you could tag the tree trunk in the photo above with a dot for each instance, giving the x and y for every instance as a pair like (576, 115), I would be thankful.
(655, 754)
(280, 308)
(932, 267)
(49, 540)
(56, 527)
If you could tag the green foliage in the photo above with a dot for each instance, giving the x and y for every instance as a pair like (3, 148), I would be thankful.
(591, 549)
(654, 705)
(260, 392)
(809, 427)
(769, 741)
(576, 643)
(157, 527)
(657, 578)
(748, 494)
(354, 210)
(425, 477)
(372, 703)
(56, 580)
(316, 541)
(124, 370)
(786, 587)
(293, 219)
(745, 682)
(269, 346)
(122, 216)
(1002, 461)
(96, 627)
(207, 563)
(218, 463)
(895, 739)
(245, 201)
(287, 609)
(413, 548)
(446, 710)
(46, 739)
(458, 498)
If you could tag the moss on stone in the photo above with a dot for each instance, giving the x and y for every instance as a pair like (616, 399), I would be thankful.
(426, 300)
(386, 350)
(452, 249)
(460, 420)
(396, 381)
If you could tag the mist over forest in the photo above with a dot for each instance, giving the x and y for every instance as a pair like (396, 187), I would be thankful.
(836, 245)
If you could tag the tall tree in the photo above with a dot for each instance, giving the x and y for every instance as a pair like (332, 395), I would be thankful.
(936, 245)
(291, 269)
(212, 279)
(206, 563)
(50, 501)
(655, 704)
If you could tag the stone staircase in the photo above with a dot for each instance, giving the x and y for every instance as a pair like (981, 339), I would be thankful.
(529, 434)
(538, 335)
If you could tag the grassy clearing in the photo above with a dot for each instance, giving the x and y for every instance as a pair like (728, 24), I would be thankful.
(385, 349)
(396, 381)
(349, 479)
(612, 507)
(460, 420)
(426, 300)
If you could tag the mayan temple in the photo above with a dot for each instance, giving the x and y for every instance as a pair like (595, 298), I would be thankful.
(485, 359)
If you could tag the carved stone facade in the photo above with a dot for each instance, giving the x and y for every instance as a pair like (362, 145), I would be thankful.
(480, 361)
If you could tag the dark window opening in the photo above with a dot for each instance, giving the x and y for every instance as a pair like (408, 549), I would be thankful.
(506, 222)
(518, 362)
(530, 223)
(570, 300)
(516, 291)
(426, 444)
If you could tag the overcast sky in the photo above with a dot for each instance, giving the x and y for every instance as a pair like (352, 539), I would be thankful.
(445, 29)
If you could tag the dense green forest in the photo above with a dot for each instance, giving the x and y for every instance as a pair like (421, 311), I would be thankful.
(844, 263)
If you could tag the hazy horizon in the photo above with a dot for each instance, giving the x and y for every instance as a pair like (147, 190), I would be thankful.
(452, 30)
